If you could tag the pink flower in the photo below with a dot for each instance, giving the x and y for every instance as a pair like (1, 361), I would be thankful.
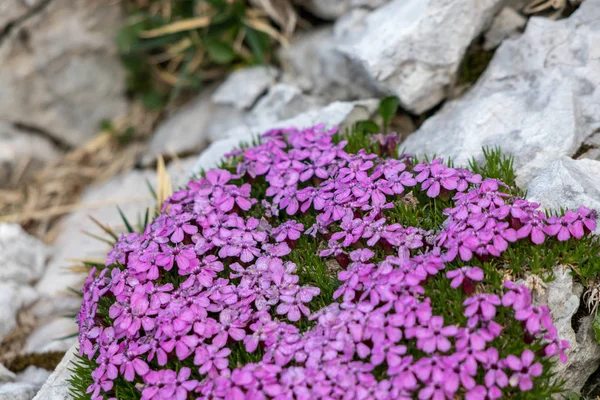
(524, 369)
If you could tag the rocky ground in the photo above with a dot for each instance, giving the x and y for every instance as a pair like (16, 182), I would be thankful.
(539, 100)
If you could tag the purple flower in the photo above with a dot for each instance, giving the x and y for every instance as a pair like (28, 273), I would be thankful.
(458, 276)
(293, 304)
(211, 359)
(523, 370)
(435, 336)
(482, 304)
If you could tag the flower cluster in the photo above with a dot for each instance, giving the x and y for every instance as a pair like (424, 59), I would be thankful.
(210, 283)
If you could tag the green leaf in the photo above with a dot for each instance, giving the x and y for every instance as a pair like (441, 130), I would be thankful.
(368, 126)
(387, 109)
(259, 43)
(220, 52)
(151, 189)
(596, 327)
(125, 220)
(152, 99)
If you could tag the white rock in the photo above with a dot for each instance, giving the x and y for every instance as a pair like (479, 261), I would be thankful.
(201, 122)
(13, 10)
(244, 86)
(332, 9)
(52, 337)
(60, 72)
(34, 375)
(6, 375)
(567, 183)
(508, 23)
(591, 154)
(18, 146)
(56, 386)
(189, 129)
(23, 256)
(18, 391)
(413, 48)
(12, 298)
(282, 101)
(538, 99)
(314, 61)
(562, 296)
(341, 114)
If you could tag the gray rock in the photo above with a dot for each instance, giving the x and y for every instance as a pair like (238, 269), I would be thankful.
(538, 99)
(244, 86)
(341, 114)
(333, 9)
(6, 375)
(56, 386)
(53, 336)
(189, 130)
(508, 23)
(23, 256)
(593, 140)
(13, 10)
(60, 72)
(20, 149)
(413, 48)
(282, 101)
(18, 391)
(34, 375)
(562, 296)
(192, 128)
(314, 62)
(567, 183)
(591, 154)
(12, 298)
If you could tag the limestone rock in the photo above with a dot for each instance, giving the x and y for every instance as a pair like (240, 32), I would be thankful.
(6, 375)
(59, 69)
(12, 298)
(56, 386)
(19, 149)
(52, 337)
(567, 183)
(413, 48)
(341, 114)
(508, 23)
(189, 129)
(244, 86)
(13, 10)
(23, 256)
(282, 101)
(332, 9)
(314, 61)
(538, 99)
(18, 391)
(195, 126)
(34, 375)
(562, 296)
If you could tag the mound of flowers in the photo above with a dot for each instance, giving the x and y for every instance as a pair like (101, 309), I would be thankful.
(301, 270)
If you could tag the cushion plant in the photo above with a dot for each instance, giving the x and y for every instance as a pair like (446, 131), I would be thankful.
(316, 266)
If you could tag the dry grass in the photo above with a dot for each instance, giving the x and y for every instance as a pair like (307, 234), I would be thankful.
(37, 202)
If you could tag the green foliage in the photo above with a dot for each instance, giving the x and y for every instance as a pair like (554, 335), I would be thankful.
(387, 110)
(474, 64)
(176, 45)
(596, 327)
